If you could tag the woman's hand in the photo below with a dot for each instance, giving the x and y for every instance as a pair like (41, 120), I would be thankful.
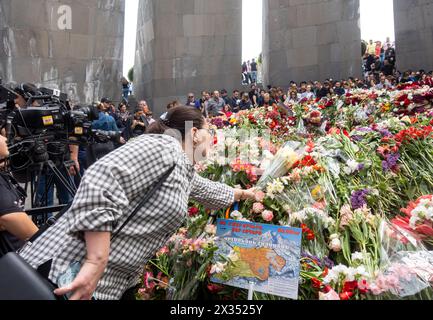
(83, 287)
(85, 284)
(241, 195)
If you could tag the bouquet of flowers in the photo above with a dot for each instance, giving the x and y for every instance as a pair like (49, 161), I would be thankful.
(418, 219)
(289, 154)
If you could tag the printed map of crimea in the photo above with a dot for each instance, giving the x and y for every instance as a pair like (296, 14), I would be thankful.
(265, 256)
(255, 263)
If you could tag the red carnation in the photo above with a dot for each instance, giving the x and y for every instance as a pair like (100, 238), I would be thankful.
(192, 212)
(317, 284)
(350, 286)
(311, 236)
(346, 296)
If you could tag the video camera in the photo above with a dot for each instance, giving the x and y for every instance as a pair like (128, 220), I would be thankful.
(44, 128)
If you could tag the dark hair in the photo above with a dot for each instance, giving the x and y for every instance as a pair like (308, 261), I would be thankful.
(123, 103)
(138, 109)
(177, 119)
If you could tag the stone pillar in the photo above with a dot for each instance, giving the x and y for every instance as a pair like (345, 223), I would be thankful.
(187, 45)
(414, 34)
(74, 46)
(311, 40)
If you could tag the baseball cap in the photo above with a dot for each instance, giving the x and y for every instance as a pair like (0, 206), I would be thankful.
(105, 100)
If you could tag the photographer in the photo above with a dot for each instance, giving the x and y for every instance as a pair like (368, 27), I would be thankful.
(104, 123)
(137, 123)
(15, 226)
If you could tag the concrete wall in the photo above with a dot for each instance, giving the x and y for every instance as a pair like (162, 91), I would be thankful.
(187, 45)
(85, 61)
(414, 34)
(310, 39)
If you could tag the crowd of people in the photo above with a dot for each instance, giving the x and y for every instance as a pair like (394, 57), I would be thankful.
(219, 103)
(250, 71)
(116, 173)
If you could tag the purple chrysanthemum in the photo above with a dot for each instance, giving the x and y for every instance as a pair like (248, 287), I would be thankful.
(385, 133)
(390, 162)
(359, 198)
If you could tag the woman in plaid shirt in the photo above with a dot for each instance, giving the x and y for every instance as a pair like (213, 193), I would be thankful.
(110, 191)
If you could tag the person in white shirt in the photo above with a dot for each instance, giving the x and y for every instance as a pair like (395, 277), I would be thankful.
(308, 94)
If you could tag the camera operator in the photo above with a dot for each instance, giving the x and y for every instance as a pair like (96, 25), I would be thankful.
(15, 226)
(104, 123)
(45, 197)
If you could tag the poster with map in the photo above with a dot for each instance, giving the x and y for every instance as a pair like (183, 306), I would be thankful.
(266, 255)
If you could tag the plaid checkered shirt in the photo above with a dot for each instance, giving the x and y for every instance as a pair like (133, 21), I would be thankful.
(109, 192)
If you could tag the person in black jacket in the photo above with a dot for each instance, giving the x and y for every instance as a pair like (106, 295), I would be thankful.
(324, 91)
(15, 225)
(245, 103)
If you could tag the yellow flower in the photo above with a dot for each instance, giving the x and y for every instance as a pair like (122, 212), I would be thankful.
(407, 120)
(317, 193)
(290, 157)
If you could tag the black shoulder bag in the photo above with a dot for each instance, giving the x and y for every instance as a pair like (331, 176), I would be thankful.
(20, 281)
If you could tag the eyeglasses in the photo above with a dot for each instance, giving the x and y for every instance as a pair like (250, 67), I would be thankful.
(212, 132)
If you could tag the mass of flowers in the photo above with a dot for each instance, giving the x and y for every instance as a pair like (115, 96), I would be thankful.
(355, 173)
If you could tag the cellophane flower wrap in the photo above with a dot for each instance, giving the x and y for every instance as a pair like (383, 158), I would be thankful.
(406, 267)
(286, 157)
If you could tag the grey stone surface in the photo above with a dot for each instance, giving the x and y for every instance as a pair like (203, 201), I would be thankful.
(414, 34)
(310, 40)
(187, 45)
(85, 61)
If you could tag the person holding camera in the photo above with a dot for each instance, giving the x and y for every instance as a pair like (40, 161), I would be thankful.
(104, 123)
(137, 123)
(16, 227)
(155, 167)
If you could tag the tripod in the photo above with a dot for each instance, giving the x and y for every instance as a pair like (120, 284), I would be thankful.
(50, 175)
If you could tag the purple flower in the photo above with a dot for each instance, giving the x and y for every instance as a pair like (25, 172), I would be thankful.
(365, 129)
(359, 198)
(357, 138)
(325, 262)
(385, 133)
(218, 122)
(390, 162)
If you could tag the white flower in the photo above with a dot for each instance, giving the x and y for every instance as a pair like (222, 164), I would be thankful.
(361, 272)
(299, 216)
(335, 245)
(334, 236)
(218, 268)
(357, 256)
(335, 273)
(275, 187)
(221, 161)
(413, 221)
(194, 219)
(353, 165)
(236, 215)
(347, 171)
(329, 222)
(233, 256)
(211, 229)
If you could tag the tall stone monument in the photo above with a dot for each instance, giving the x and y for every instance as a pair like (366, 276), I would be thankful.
(187, 45)
(414, 34)
(74, 46)
(310, 39)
